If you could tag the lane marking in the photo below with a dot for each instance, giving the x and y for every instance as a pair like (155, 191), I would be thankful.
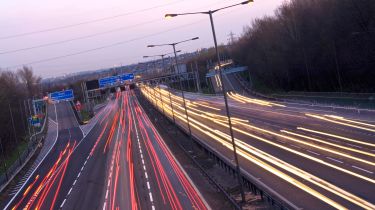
(313, 152)
(370, 172)
(62, 204)
(106, 195)
(70, 191)
(333, 159)
(354, 145)
(295, 146)
(150, 197)
(141, 154)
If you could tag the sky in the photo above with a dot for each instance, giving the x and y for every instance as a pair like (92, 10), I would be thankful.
(60, 37)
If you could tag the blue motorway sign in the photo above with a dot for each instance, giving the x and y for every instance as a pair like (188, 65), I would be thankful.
(115, 80)
(126, 77)
(62, 95)
(108, 81)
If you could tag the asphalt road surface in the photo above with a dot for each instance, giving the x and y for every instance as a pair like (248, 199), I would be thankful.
(310, 157)
(117, 161)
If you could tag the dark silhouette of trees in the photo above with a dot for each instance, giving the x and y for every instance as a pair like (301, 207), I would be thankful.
(312, 45)
(30, 80)
(14, 89)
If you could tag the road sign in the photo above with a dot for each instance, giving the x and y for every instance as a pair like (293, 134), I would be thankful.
(108, 81)
(37, 105)
(126, 77)
(34, 120)
(92, 84)
(65, 95)
(78, 106)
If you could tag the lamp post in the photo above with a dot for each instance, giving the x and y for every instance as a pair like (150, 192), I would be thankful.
(162, 57)
(210, 12)
(164, 69)
(178, 72)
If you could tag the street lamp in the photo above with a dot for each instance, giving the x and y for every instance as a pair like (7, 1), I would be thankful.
(162, 57)
(210, 12)
(164, 69)
(178, 71)
(174, 49)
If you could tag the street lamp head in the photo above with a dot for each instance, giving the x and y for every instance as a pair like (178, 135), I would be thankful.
(167, 16)
(149, 46)
(247, 2)
(178, 51)
(195, 38)
(145, 56)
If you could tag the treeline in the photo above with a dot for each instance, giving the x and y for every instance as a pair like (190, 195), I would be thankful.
(312, 45)
(15, 90)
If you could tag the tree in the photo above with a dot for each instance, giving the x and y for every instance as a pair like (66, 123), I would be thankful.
(309, 45)
(30, 81)
(14, 89)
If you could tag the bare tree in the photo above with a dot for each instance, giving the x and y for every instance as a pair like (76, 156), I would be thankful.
(325, 45)
(30, 81)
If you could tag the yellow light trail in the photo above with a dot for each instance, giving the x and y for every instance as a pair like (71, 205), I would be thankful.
(337, 136)
(310, 144)
(242, 98)
(352, 121)
(315, 180)
(210, 107)
(301, 173)
(321, 183)
(338, 122)
(303, 155)
(328, 143)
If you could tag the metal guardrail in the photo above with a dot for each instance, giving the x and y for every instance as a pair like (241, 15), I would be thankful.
(250, 182)
(24, 157)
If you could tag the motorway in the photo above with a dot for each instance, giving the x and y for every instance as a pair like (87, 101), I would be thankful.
(117, 161)
(310, 157)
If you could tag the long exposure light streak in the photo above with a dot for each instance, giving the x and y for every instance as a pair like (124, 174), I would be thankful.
(245, 149)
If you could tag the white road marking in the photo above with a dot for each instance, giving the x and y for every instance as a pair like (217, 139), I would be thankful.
(143, 162)
(313, 152)
(354, 145)
(334, 160)
(295, 146)
(370, 172)
(70, 191)
(150, 194)
(106, 195)
(62, 204)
